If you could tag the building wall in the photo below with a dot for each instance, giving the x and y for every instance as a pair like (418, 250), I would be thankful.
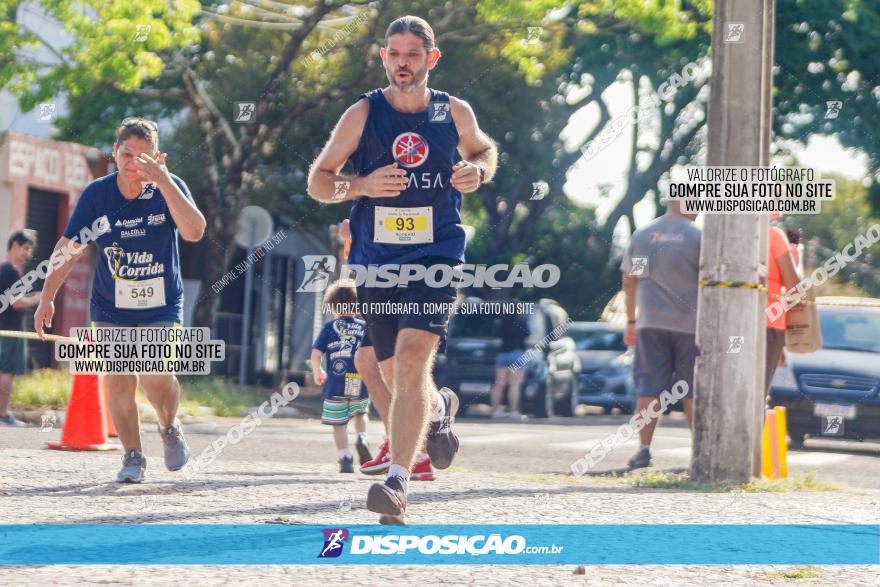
(28, 162)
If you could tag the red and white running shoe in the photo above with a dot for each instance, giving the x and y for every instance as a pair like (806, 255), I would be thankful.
(380, 464)
(422, 470)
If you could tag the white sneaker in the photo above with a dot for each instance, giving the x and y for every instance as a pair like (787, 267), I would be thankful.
(514, 415)
(498, 414)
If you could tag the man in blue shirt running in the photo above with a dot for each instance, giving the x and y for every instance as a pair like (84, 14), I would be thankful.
(142, 209)
(414, 152)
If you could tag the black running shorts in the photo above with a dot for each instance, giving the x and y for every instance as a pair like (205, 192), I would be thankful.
(388, 310)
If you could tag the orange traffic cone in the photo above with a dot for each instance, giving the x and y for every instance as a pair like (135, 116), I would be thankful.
(108, 418)
(84, 427)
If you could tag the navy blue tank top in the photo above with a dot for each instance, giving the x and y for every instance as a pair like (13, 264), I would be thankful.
(425, 219)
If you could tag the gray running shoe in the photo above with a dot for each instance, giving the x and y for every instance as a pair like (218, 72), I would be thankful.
(346, 465)
(176, 450)
(442, 442)
(641, 459)
(388, 499)
(11, 420)
(133, 465)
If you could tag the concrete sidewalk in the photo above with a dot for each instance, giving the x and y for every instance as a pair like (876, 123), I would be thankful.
(42, 486)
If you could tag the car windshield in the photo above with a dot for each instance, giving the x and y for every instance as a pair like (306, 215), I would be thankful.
(598, 340)
(851, 330)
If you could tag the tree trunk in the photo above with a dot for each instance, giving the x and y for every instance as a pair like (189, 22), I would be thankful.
(217, 251)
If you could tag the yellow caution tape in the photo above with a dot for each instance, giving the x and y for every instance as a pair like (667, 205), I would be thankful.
(733, 284)
(34, 336)
(762, 287)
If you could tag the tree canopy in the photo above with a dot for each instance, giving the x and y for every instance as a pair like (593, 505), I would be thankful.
(526, 66)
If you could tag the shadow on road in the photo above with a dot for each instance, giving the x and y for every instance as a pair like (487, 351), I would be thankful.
(165, 487)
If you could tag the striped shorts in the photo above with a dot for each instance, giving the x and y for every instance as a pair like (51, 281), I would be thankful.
(339, 410)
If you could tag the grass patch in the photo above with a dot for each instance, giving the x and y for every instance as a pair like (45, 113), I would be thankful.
(799, 483)
(664, 480)
(799, 573)
(50, 388)
(45, 388)
(217, 393)
(652, 479)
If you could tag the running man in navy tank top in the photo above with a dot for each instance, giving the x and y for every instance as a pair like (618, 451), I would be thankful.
(414, 152)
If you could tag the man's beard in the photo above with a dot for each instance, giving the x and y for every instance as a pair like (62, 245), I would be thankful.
(417, 78)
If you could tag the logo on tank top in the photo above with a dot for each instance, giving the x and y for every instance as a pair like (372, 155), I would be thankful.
(410, 149)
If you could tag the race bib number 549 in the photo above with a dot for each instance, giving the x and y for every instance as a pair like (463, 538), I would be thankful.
(140, 295)
(404, 226)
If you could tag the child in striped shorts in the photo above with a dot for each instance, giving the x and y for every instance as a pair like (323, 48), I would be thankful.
(344, 394)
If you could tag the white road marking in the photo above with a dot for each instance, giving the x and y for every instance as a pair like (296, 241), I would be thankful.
(581, 445)
(586, 445)
(498, 438)
(816, 458)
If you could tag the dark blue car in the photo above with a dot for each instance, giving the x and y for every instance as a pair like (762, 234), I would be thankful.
(835, 392)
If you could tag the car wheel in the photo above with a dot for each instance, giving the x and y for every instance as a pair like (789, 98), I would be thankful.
(542, 404)
(567, 406)
(797, 437)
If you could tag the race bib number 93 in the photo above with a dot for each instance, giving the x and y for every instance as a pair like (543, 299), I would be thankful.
(404, 225)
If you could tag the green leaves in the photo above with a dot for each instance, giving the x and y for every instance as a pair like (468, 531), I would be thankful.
(112, 42)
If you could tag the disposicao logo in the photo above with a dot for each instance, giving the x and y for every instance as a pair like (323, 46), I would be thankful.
(473, 545)
(334, 539)
(431, 544)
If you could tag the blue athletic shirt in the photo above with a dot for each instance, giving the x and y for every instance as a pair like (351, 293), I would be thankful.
(425, 144)
(137, 258)
(339, 340)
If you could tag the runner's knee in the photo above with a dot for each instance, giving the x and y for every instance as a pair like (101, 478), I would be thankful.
(365, 361)
(162, 382)
(121, 385)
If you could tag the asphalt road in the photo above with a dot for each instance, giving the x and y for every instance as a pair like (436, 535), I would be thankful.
(533, 446)
(518, 473)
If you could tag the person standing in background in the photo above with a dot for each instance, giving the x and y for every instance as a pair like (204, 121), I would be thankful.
(781, 276)
(13, 351)
(514, 332)
(661, 273)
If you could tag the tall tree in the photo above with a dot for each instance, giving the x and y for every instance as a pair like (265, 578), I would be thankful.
(299, 65)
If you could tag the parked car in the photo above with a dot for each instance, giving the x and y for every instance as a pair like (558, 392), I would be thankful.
(833, 393)
(551, 364)
(606, 377)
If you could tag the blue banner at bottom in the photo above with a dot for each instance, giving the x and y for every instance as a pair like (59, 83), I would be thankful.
(267, 544)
